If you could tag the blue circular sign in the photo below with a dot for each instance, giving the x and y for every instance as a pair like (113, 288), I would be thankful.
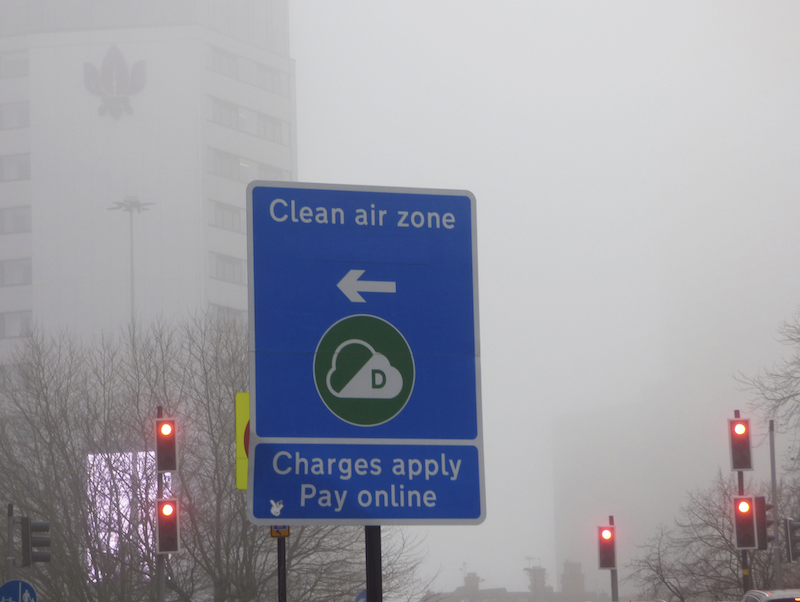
(17, 591)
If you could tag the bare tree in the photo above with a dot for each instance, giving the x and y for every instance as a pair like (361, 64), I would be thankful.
(777, 389)
(76, 435)
(697, 560)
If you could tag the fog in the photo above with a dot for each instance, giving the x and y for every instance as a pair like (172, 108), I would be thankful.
(635, 168)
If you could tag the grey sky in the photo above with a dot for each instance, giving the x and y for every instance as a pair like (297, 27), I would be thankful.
(635, 166)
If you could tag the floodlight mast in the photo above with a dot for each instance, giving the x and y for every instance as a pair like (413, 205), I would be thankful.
(131, 204)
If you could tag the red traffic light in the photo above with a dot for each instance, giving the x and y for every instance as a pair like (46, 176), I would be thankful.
(606, 548)
(167, 527)
(739, 435)
(744, 523)
(166, 445)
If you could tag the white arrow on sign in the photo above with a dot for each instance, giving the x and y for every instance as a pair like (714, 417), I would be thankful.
(351, 286)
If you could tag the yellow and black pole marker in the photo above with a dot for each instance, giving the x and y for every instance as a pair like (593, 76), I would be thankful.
(242, 438)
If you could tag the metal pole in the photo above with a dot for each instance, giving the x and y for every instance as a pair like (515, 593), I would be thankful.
(614, 586)
(131, 204)
(10, 548)
(281, 569)
(747, 578)
(776, 548)
(133, 295)
(160, 558)
(372, 539)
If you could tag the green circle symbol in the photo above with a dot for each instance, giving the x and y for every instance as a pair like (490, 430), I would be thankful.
(364, 370)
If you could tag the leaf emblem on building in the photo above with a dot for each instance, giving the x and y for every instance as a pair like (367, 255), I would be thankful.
(114, 83)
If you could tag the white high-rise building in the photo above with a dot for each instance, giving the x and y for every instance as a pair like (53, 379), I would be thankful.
(128, 134)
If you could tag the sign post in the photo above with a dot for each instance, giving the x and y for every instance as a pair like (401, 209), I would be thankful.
(364, 356)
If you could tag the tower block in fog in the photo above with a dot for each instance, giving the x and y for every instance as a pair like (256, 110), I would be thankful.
(173, 108)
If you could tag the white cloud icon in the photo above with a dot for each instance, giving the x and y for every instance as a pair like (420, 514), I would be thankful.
(377, 379)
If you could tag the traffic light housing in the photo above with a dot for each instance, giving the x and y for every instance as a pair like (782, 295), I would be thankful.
(166, 447)
(31, 538)
(792, 540)
(606, 546)
(167, 526)
(763, 522)
(739, 433)
(744, 522)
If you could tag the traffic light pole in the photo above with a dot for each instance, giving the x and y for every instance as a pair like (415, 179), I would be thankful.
(776, 526)
(614, 587)
(747, 579)
(372, 538)
(10, 547)
(160, 560)
(281, 569)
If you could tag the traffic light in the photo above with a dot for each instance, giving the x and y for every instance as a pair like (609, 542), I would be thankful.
(763, 522)
(31, 539)
(166, 448)
(606, 545)
(167, 526)
(739, 432)
(792, 540)
(744, 522)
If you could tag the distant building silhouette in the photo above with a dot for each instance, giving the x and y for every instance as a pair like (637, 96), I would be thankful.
(538, 591)
(172, 107)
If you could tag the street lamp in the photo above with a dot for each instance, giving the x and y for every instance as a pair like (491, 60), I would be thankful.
(131, 204)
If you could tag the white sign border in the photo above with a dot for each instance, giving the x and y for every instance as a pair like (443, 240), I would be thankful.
(255, 440)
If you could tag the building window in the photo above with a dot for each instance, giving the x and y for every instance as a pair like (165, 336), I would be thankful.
(15, 220)
(227, 268)
(272, 80)
(241, 169)
(224, 113)
(15, 324)
(227, 217)
(247, 71)
(273, 129)
(268, 172)
(224, 63)
(14, 115)
(223, 312)
(14, 63)
(15, 272)
(15, 167)
(248, 121)
(223, 164)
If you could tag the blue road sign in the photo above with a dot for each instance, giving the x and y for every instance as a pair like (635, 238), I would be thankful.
(364, 340)
(17, 591)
